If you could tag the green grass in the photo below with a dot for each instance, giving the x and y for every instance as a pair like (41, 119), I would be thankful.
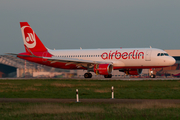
(54, 88)
(84, 111)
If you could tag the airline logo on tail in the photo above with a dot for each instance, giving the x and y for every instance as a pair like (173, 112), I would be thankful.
(31, 40)
(28, 36)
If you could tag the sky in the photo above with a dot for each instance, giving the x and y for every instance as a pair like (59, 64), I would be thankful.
(71, 24)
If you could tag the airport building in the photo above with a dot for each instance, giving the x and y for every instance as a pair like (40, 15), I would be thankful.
(11, 66)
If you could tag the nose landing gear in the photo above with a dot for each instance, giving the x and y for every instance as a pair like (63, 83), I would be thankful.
(152, 76)
(151, 73)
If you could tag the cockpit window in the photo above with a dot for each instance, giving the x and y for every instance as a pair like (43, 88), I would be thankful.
(166, 54)
(162, 54)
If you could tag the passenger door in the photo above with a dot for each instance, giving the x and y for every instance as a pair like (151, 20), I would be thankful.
(148, 55)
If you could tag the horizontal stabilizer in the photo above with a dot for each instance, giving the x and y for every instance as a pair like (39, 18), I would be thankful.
(23, 55)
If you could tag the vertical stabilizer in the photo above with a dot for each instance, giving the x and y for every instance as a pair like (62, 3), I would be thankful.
(31, 40)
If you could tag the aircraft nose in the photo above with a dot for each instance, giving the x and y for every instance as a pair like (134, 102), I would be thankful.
(172, 61)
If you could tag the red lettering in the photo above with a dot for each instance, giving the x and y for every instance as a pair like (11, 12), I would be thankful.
(135, 54)
(104, 55)
(114, 53)
(117, 54)
(110, 55)
(124, 55)
(130, 54)
(141, 54)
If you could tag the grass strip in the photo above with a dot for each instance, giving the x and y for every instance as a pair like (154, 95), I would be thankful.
(83, 111)
(53, 88)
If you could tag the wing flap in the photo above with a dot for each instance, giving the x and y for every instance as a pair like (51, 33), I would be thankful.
(68, 61)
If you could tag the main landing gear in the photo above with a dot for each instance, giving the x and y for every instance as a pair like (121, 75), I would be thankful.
(87, 75)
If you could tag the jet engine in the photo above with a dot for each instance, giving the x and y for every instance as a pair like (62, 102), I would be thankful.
(103, 69)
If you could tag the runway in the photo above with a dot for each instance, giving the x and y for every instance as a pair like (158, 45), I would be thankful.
(94, 78)
(109, 101)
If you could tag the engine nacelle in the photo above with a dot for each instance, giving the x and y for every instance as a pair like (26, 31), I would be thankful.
(133, 71)
(103, 69)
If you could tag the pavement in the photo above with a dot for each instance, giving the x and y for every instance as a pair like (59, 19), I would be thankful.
(94, 78)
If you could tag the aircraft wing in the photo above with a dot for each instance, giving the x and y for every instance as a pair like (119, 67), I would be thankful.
(68, 61)
(78, 62)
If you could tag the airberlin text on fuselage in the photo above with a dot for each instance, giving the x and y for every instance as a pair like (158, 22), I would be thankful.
(135, 54)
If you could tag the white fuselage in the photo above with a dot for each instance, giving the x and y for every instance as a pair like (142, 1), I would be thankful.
(123, 58)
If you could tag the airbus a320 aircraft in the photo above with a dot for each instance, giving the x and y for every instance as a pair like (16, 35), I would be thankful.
(101, 61)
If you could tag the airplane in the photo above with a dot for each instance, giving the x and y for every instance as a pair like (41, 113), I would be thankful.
(101, 61)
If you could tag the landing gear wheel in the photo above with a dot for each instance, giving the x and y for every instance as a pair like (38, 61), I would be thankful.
(108, 76)
(152, 76)
(87, 75)
(90, 75)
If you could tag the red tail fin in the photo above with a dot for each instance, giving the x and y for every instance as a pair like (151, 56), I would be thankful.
(31, 40)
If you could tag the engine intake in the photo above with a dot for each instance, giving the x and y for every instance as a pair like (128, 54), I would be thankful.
(103, 69)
